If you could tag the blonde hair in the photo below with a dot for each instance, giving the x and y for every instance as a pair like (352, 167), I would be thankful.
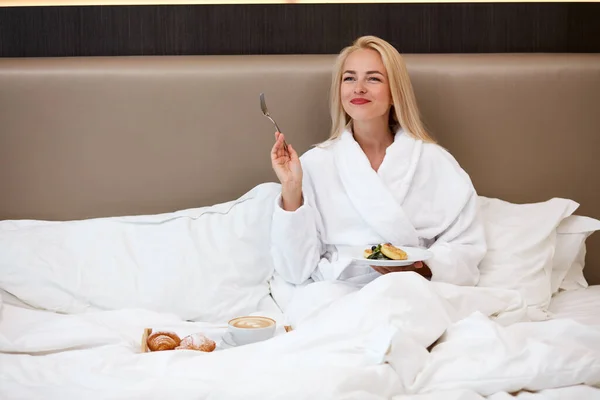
(404, 112)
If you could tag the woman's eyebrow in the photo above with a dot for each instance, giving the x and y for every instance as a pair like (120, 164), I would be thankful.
(368, 72)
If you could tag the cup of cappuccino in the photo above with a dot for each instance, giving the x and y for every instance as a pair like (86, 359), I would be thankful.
(251, 329)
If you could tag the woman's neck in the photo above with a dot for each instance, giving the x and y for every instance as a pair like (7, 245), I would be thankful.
(373, 136)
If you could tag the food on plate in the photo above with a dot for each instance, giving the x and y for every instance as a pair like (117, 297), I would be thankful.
(393, 252)
(385, 251)
(368, 253)
(197, 341)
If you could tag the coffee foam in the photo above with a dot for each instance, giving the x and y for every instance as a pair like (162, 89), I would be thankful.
(251, 322)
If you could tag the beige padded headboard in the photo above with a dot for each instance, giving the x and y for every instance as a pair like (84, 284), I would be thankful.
(89, 137)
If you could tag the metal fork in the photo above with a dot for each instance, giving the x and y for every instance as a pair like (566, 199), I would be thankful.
(265, 111)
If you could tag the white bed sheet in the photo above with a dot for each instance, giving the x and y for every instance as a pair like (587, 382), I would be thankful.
(8, 298)
(578, 392)
(581, 305)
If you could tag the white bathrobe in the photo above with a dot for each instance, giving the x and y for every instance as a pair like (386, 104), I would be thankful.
(420, 196)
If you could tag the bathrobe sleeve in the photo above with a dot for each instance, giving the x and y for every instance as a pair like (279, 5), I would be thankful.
(296, 246)
(460, 248)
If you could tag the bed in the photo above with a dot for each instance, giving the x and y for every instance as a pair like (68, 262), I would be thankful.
(136, 192)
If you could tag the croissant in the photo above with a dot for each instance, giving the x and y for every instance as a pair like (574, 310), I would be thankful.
(159, 341)
(197, 341)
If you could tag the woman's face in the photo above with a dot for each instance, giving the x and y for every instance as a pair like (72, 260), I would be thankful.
(364, 90)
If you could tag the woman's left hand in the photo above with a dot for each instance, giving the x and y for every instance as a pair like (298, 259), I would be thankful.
(419, 267)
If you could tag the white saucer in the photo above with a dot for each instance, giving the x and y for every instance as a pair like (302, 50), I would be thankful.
(414, 254)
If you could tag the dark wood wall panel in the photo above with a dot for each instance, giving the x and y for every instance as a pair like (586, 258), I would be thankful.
(293, 28)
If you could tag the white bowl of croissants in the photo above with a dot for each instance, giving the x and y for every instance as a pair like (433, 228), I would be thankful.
(165, 340)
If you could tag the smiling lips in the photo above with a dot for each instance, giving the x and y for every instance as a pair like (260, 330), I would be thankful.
(359, 101)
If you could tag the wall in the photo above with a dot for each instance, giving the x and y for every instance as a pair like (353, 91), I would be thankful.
(297, 28)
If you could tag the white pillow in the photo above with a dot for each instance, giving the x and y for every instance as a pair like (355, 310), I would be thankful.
(575, 279)
(521, 240)
(569, 258)
(8, 298)
(208, 264)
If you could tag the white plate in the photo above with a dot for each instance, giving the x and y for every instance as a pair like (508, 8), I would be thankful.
(414, 254)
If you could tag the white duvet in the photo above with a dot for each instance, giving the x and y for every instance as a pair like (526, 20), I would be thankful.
(368, 344)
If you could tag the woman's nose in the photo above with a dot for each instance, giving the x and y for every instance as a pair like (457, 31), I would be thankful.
(359, 88)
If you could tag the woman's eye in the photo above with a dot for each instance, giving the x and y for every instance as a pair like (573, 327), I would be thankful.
(370, 79)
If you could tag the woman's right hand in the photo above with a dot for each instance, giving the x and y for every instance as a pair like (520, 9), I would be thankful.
(288, 169)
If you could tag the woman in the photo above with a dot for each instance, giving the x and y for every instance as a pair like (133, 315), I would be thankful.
(379, 178)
